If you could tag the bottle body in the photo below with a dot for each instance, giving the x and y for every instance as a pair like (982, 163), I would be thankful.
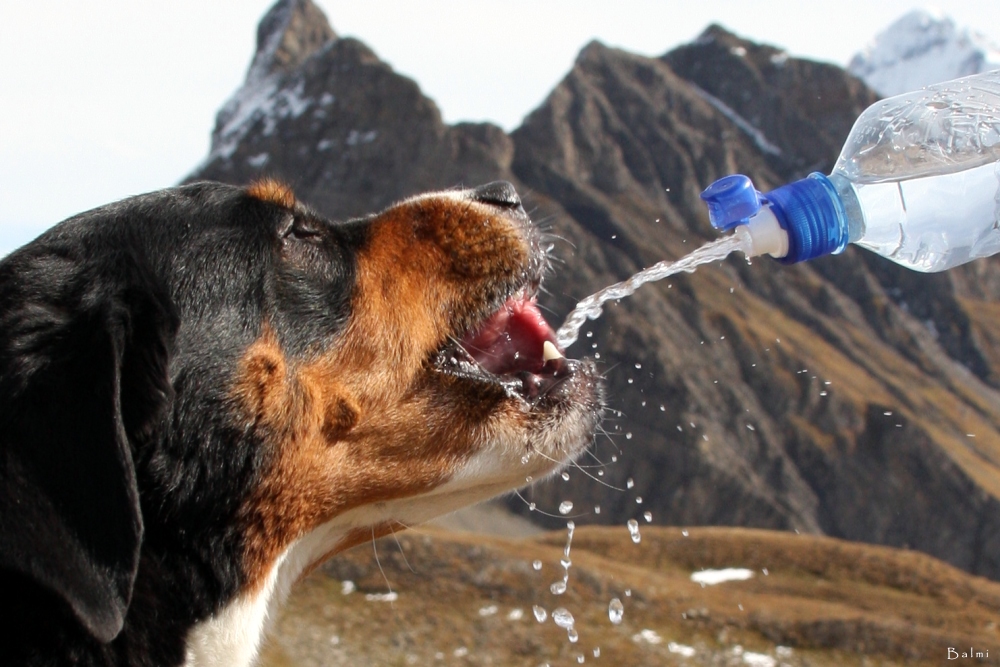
(931, 223)
(924, 168)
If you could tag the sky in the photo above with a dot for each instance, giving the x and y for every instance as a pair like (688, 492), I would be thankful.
(102, 99)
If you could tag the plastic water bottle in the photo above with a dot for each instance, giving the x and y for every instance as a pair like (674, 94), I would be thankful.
(918, 182)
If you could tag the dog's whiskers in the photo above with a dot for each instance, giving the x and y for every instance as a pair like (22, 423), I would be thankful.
(379, 563)
(400, 547)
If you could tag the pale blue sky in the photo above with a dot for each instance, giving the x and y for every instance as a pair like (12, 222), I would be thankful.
(101, 99)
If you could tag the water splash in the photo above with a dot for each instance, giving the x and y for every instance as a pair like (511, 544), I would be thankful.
(592, 307)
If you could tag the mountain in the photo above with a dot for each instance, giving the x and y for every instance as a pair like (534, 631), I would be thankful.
(922, 48)
(845, 397)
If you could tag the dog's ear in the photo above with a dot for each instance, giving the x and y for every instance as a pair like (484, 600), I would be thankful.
(83, 378)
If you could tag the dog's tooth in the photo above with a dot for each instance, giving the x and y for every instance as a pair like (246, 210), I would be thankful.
(550, 351)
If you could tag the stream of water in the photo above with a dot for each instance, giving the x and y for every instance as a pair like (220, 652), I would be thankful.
(592, 307)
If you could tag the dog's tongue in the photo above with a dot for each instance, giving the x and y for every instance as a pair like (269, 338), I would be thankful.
(515, 338)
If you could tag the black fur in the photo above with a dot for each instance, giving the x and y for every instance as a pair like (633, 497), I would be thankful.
(122, 461)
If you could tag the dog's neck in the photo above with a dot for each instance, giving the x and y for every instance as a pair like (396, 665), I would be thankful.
(233, 635)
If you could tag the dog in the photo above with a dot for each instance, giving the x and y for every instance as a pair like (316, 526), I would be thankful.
(208, 390)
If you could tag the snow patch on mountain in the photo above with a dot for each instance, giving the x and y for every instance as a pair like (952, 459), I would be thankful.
(921, 48)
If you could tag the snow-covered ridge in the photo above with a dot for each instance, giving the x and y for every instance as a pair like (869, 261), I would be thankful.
(921, 48)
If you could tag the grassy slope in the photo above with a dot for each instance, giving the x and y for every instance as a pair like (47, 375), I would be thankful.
(831, 602)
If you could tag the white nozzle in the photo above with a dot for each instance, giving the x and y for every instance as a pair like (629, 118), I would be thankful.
(766, 235)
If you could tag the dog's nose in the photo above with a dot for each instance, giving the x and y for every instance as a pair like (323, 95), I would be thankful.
(498, 193)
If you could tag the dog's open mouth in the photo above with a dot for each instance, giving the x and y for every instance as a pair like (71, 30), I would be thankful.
(514, 346)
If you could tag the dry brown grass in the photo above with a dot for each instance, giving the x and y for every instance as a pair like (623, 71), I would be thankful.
(830, 602)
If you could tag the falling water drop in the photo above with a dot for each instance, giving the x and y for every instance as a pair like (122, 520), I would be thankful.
(537, 565)
(615, 610)
(540, 614)
(572, 634)
(558, 588)
(629, 483)
(565, 476)
(565, 507)
(648, 516)
(633, 529)
(562, 618)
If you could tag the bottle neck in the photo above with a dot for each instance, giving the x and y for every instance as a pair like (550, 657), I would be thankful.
(853, 212)
(812, 211)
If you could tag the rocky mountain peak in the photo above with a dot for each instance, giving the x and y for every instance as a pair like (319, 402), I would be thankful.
(290, 32)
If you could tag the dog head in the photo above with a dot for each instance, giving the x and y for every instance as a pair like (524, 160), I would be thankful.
(220, 381)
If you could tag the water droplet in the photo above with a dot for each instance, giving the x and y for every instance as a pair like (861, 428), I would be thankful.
(633, 529)
(590, 334)
(638, 365)
(580, 659)
(528, 479)
(638, 500)
(629, 483)
(565, 507)
(648, 516)
(613, 458)
(628, 436)
(537, 565)
(562, 618)
(540, 614)
(565, 476)
(628, 592)
(525, 459)
(566, 563)
(531, 506)
(684, 533)
(616, 610)
(600, 473)
(558, 588)
(597, 509)
(572, 634)
(597, 651)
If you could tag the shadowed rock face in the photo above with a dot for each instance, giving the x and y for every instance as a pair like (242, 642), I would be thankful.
(836, 397)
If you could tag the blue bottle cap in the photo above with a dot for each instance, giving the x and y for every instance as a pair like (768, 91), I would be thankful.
(810, 210)
(732, 201)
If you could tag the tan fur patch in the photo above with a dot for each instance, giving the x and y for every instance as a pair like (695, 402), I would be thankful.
(272, 191)
(366, 421)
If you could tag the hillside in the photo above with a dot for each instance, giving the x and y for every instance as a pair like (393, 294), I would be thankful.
(847, 397)
(468, 600)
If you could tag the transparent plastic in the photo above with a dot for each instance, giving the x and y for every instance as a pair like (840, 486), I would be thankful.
(919, 175)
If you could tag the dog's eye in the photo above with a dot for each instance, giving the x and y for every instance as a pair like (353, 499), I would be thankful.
(303, 230)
